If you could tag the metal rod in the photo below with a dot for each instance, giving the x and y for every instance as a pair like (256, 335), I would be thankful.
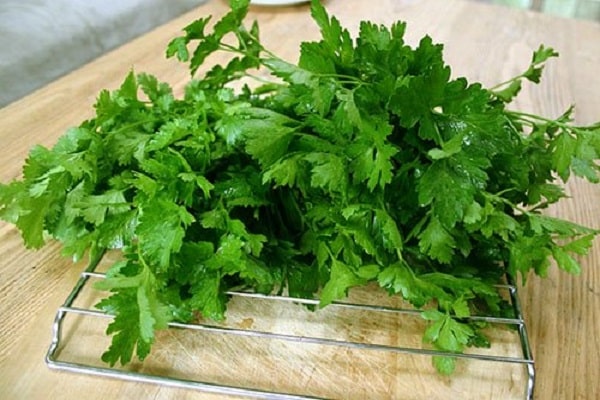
(91, 267)
(53, 362)
(311, 340)
(95, 259)
(355, 306)
(173, 382)
(367, 307)
(525, 346)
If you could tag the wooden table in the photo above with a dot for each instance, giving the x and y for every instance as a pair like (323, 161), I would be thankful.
(482, 42)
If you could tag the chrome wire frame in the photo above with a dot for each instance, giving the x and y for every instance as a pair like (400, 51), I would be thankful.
(53, 361)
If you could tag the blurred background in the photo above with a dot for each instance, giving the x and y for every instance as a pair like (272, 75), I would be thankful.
(584, 9)
(41, 40)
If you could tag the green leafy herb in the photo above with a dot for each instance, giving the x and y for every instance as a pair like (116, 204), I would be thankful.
(366, 161)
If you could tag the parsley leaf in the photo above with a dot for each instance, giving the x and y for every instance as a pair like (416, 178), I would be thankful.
(365, 161)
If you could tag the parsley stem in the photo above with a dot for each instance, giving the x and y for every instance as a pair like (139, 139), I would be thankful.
(146, 268)
(263, 80)
(505, 83)
(341, 78)
(127, 127)
(532, 119)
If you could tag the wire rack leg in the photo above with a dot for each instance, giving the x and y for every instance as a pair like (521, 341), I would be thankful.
(524, 338)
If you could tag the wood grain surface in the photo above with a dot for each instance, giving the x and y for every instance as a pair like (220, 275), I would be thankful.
(482, 42)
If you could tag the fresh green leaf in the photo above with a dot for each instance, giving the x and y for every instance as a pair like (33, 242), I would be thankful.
(365, 161)
(437, 242)
(565, 261)
(342, 278)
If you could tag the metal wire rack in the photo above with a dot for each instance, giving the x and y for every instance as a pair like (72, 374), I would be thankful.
(53, 357)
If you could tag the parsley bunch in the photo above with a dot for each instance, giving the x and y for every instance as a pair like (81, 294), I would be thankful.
(364, 161)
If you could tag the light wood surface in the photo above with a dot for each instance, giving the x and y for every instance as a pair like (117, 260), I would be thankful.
(482, 42)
